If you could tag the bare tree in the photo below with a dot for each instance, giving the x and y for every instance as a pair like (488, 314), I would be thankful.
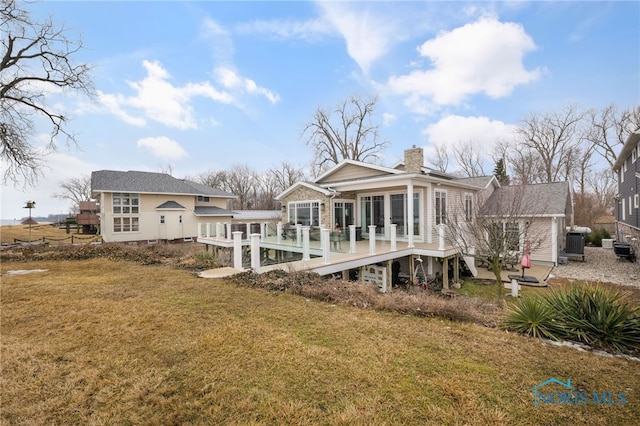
(36, 57)
(214, 179)
(526, 165)
(469, 160)
(610, 128)
(76, 190)
(554, 137)
(242, 182)
(440, 159)
(286, 174)
(345, 133)
(497, 228)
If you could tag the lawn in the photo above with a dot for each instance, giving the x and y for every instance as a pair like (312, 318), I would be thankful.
(100, 341)
(51, 234)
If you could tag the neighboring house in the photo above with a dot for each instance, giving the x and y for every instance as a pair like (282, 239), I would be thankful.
(147, 207)
(627, 169)
(88, 217)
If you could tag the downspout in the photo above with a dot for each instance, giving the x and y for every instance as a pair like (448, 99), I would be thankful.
(331, 209)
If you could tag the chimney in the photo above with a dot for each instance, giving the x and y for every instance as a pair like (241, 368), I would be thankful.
(413, 160)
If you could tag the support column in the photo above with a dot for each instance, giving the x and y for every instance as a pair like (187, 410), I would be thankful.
(299, 235)
(255, 252)
(456, 269)
(305, 243)
(248, 231)
(394, 231)
(229, 235)
(279, 231)
(352, 238)
(372, 239)
(208, 227)
(199, 229)
(410, 243)
(445, 274)
(441, 239)
(237, 250)
(263, 231)
(219, 230)
(326, 252)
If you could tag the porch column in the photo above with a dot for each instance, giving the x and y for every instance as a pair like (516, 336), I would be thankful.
(208, 227)
(456, 269)
(445, 273)
(228, 226)
(199, 229)
(263, 230)
(237, 250)
(326, 252)
(394, 231)
(441, 237)
(279, 231)
(248, 230)
(554, 240)
(298, 235)
(305, 243)
(255, 252)
(410, 215)
(352, 238)
(372, 239)
(219, 230)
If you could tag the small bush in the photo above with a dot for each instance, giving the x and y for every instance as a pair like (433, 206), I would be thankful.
(596, 237)
(597, 316)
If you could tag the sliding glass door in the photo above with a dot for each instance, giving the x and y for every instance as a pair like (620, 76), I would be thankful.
(372, 213)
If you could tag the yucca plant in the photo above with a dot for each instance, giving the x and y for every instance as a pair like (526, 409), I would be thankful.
(534, 316)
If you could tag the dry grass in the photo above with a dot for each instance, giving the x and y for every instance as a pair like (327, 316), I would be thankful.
(51, 233)
(101, 341)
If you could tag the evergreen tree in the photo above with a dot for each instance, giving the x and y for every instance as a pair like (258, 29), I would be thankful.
(500, 172)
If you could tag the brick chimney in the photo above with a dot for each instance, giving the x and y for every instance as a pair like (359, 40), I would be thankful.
(413, 160)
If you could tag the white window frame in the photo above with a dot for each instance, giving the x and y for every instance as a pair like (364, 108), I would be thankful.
(468, 207)
(624, 212)
(440, 216)
(292, 206)
(125, 207)
(636, 201)
(162, 220)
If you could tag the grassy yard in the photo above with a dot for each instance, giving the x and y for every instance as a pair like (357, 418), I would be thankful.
(51, 234)
(100, 341)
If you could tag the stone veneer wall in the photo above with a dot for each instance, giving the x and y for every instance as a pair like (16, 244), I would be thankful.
(413, 160)
(303, 194)
(625, 230)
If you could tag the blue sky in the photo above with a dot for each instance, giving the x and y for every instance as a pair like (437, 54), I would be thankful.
(207, 85)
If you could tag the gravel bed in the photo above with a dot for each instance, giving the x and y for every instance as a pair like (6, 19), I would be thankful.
(601, 265)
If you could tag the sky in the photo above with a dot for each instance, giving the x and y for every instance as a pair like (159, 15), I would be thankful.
(203, 86)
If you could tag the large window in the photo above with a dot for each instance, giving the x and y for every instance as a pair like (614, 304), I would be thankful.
(305, 213)
(441, 207)
(399, 213)
(372, 213)
(125, 212)
(343, 213)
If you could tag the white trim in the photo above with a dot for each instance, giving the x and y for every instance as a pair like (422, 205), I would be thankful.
(308, 185)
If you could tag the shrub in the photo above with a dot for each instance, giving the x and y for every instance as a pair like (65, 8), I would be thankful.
(596, 237)
(597, 316)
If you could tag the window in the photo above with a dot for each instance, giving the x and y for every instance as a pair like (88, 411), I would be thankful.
(399, 212)
(634, 155)
(621, 175)
(125, 210)
(161, 218)
(624, 212)
(468, 207)
(630, 208)
(441, 207)
(180, 219)
(305, 213)
(512, 236)
(203, 198)
(636, 200)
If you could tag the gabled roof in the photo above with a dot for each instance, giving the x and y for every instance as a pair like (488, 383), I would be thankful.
(150, 183)
(309, 185)
(628, 147)
(479, 181)
(546, 199)
(346, 163)
(170, 205)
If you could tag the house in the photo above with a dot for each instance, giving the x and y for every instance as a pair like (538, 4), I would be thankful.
(88, 217)
(148, 207)
(627, 169)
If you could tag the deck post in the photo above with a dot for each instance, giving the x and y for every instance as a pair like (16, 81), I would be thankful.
(352, 238)
(445, 273)
(255, 252)
(298, 235)
(208, 227)
(326, 252)
(372, 239)
(228, 226)
(248, 230)
(305, 242)
(441, 237)
(199, 229)
(393, 236)
(279, 231)
(219, 231)
(263, 230)
(237, 250)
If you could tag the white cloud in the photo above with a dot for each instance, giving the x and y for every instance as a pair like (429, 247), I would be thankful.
(163, 147)
(232, 81)
(481, 57)
(388, 119)
(310, 30)
(368, 34)
(455, 130)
